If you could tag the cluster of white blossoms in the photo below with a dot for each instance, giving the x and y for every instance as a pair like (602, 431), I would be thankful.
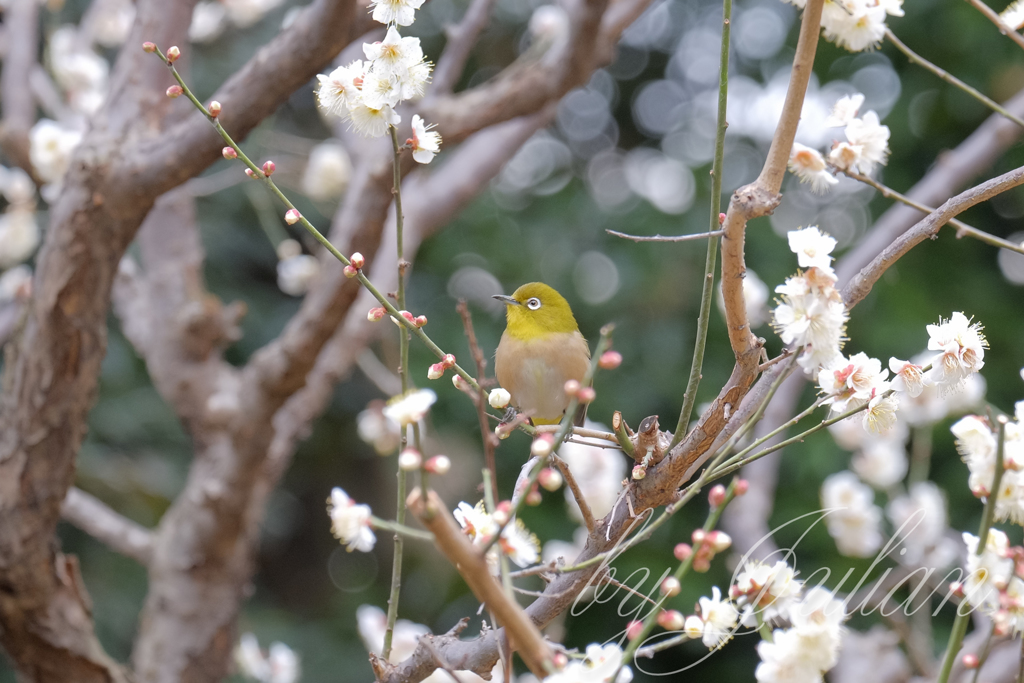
(327, 173)
(279, 665)
(516, 542)
(350, 522)
(809, 647)
(600, 666)
(715, 622)
(811, 313)
(367, 92)
(855, 24)
(852, 518)
(866, 146)
(765, 590)
(296, 272)
(81, 73)
(19, 234)
(977, 441)
(994, 583)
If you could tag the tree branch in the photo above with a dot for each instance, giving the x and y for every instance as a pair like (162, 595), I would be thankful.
(115, 531)
(461, 39)
(21, 33)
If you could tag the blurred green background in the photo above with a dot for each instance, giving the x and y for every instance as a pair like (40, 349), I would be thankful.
(629, 153)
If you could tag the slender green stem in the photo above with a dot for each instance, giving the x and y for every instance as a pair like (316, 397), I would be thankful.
(956, 637)
(951, 79)
(363, 280)
(396, 569)
(961, 227)
(763, 628)
(775, 432)
(708, 289)
(920, 453)
(395, 527)
(684, 567)
(662, 645)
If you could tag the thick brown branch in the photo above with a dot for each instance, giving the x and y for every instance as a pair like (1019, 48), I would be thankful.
(461, 39)
(21, 33)
(118, 533)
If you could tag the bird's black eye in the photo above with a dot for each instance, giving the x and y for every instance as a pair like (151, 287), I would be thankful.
(533, 303)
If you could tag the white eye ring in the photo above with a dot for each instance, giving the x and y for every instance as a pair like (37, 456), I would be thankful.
(533, 304)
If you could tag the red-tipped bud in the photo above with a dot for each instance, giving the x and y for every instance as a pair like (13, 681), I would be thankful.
(357, 260)
(268, 168)
(500, 517)
(670, 587)
(956, 588)
(571, 387)
(460, 384)
(504, 506)
(149, 47)
(719, 541)
(172, 54)
(350, 272)
(970, 661)
(214, 109)
(436, 371)
(682, 551)
(541, 446)
(639, 472)
(550, 479)
(249, 172)
(701, 564)
(559, 660)
(716, 496)
(671, 620)
(409, 459)
(439, 464)
(634, 629)
(408, 316)
(229, 153)
(721, 219)
(742, 486)
(376, 314)
(533, 498)
(448, 361)
(586, 394)
(292, 216)
(610, 360)
(420, 321)
(698, 536)
(174, 91)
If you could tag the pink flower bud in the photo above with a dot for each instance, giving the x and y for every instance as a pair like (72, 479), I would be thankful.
(149, 47)
(634, 629)
(357, 260)
(639, 472)
(586, 394)
(409, 459)
(174, 91)
(459, 383)
(448, 361)
(500, 517)
(408, 316)
(717, 495)
(956, 588)
(229, 153)
(719, 541)
(698, 536)
(741, 487)
(249, 173)
(504, 506)
(610, 360)
(541, 446)
(671, 620)
(436, 371)
(350, 272)
(670, 587)
(268, 168)
(172, 54)
(533, 498)
(376, 314)
(214, 109)
(571, 387)
(721, 219)
(420, 321)
(439, 464)
(682, 551)
(970, 661)
(559, 660)
(701, 564)
(550, 479)
(292, 216)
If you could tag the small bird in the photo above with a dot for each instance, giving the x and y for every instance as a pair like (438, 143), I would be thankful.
(540, 350)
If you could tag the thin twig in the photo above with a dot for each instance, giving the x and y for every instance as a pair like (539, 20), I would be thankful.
(486, 435)
(950, 78)
(992, 16)
(570, 480)
(115, 531)
(667, 238)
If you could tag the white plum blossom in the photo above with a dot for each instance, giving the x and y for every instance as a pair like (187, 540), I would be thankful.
(809, 166)
(377, 430)
(296, 274)
(280, 665)
(209, 19)
(245, 13)
(600, 666)
(810, 647)
(50, 147)
(987, 573)
(80, 72)
(963, 349)
(880, 416)
(867, 140)
(410, 407)
(977, 442)
(844, 110)
(350, 522)
(425, 142)
(15, 283)
(853, 521)
(499, 398)
(373, 122)
(920, 521)
(1013, 16)
(771, 589)
(516, 542)
(812, 247)
(907, 377)
(19, 236)
(881, 462)
(339, 91)
(393, 55)
(401, 12)
(850, 383)
(327, 173)
(719, 619)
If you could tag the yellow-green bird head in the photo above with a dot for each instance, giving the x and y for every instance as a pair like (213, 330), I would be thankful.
(537, 310)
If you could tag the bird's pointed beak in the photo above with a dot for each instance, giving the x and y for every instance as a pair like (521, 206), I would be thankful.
(506, 300)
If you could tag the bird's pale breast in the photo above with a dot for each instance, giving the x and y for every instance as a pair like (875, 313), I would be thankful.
(535, 371)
